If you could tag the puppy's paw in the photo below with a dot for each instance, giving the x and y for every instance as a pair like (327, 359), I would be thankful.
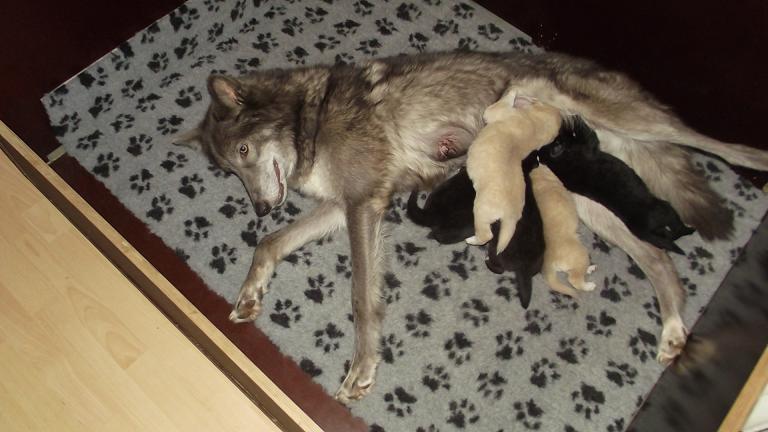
(673, 338)
(588, 286)
(476, 241)
(591, 269)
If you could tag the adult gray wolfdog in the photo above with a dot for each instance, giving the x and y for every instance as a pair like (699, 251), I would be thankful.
(354, 135)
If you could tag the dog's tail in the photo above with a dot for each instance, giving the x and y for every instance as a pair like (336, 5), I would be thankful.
(414, 212)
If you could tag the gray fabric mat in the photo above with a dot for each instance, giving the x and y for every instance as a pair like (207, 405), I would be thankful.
(459, 352)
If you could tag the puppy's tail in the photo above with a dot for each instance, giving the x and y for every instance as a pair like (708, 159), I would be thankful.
(414, 212)
(524, 288)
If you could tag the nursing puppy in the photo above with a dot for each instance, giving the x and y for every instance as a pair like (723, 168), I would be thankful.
(564, 250)
(515, 126)
(583, 168)
(447, 211)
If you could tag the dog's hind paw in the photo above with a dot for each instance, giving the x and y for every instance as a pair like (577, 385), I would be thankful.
(588, 286)
(673, 338)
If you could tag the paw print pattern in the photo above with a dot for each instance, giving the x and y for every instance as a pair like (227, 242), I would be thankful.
(572, 350)
(509, 345)
(408, 12)
(745, 190)
(69, 123)
(462, 413)
(328, 338)
(285, 214)
(444, 27)
(615, 289)
(131, 87)
(476, 311)
(191, 186)
(399, 402)
(292, 26)
(418, 41)
(691, 288)
(600, 325)
(238, 11)
(528, 413)
(265, 42)
(148, 102)
(169, 125)
(462, 263)
(643, 345)
(326, 43)
(346, 28)
(459, 348)
(393, 215)
(138, 144)
(245, 65)
(234, 206)
(215, 31)
(285, 313)
(700, 261)
(249, 26)
(188, 96)
(148, 35)
(343, 58)
(599, 244)
(297, 56)
(369, 47)
(436, 377)
(408, 253)
(544, 372)
(343, 266)
(197, 228)
(222, 255)
(251, 233)
(521, 44)
(417, 324)
(102, 104)
(490, 31)
(161, 206)
(319, 288)
(391, 288)
(97, 77)
(363, 7)
(587, 400)
(106, 164)
(90, 141)
(467, 44)
(122, 121)
(174, 161)
(436, 286)
(385, 27)
(56, 98)
(390, 348)
(168, 80)
(310, 368)
(140, 182)
(620, 374)
(299, 256)
(563, 302)
(537, 322)
(651, 308)
(183, 18)
(223, 46)
(491, 385)
(159, 62)
(275, 11)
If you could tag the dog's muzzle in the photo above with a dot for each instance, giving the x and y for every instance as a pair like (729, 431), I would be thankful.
(262, 208)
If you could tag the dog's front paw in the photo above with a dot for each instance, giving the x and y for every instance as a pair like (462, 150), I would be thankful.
(673, 338)
(245, 310)
(358, 383)
(588, 286)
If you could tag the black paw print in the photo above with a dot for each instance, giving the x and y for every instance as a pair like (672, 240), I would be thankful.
(181, 254)
(158, 63)
(326, 43)
(475, 311)
(343, 58)
(745, 189)
(285, 313)
(616, 426)
(169, 125)
(148, 102)
(643, 345)
(138, 144)
(600, 325)
(161, 205)
(459, 348)
(363, 7)
(436, 377)
(491, 385)
(615, 289)
(292, 26)
(315, 15)
(88, 79)
(370, 47)
(187, 96)
(537, 322)
(300, 256)
(521, 44)
(418, 41)
(652, 310)
(167, 81)
(319, 288)
(328, 338)
(461, 413)
(309, 367)
(56, 98)
(600, 244)
(528, 413)
(710, 170)
(234, 206)
(509, 345)
(101, 104)
(408, 253)
(634, 269)
(737, 255)
(393, 215)
(131, 87)
(297, 55)
(399, 402)
(238, 11)
(275, 11)
(691, 288)
(222, 255)
(385, 26)
(572, 350)
(408, 12)
(544, 372)
(620, 374)
(700, 261)
(226, 45)
(244, 65)
(417, 324)
(467, 44)
(265, 42)
(506, 287)
(68, 124)
(249, 26)
(587, 400)
(390, 347)
(346, 28)
(140, 182)
(463, 11)
(436, 286)
(148, 35)
(343, 266)
(251, 233)
(123, 121)
(216, 30)
(218, 172)
(191, 186)
(562, 301)
(106, 164)
(391, 288)
(90, 141)
(173, 161)
(443, 27)
(462, 263)
(197, 228)
(490, 31)
(285, 214)
(183, 18)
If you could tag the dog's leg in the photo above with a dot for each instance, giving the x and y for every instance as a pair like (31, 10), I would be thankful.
(321, 221)
(656, 265)
(365, 238)
(551, 277)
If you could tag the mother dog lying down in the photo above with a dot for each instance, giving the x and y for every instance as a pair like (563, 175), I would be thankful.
(352, 136)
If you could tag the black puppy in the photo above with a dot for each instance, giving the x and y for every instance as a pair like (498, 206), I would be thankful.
(448, 212)
(574, 156)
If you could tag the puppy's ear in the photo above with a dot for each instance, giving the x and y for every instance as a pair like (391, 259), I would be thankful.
(226, 92)
(190, 139)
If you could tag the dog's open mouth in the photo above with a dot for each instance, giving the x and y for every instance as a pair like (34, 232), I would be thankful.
(281, 192)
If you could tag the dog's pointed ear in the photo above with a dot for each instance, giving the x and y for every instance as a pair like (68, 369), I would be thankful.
(226, 91)
(190, 139)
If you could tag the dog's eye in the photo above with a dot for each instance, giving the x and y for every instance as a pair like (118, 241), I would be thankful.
(243, 149)
(556, 150)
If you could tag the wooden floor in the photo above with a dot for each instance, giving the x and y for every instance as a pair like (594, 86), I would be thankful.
(82, 349)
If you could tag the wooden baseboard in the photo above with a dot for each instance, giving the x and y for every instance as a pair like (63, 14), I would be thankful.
(156, 287)
(748, 396)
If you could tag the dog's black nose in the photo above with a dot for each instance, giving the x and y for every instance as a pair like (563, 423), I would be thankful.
(262, 208)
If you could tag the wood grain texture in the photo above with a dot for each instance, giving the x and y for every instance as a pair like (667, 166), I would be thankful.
(82, 349)
(749, 394)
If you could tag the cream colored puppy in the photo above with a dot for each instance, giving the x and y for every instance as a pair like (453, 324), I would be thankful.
(515, 126)
(564, 251)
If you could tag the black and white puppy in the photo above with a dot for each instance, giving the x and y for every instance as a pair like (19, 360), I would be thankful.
(575, 158)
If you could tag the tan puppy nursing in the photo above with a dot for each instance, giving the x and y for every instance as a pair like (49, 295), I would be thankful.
(515, 126)
(564, 251)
